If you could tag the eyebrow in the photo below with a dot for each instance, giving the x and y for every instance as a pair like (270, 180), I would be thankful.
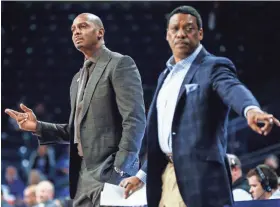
(79, 24)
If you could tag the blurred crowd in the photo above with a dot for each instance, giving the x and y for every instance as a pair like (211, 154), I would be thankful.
(260, 183)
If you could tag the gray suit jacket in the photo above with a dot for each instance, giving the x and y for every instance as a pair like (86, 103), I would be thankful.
(113, 120)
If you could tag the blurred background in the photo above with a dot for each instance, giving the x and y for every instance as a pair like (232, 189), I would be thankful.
(39, 61)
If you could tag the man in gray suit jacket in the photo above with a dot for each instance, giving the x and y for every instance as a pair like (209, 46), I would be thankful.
(107, 120)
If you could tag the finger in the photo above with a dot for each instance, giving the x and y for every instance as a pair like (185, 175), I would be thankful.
(123, 183)
(25, 108)
(132, 190)
(20, 118)
(261, 118)
(255, 128)
(276, 121)
(21, 122)
(13, 114)
(267, 127)
(128, 188)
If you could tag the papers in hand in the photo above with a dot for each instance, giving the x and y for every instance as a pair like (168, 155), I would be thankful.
(113, 195)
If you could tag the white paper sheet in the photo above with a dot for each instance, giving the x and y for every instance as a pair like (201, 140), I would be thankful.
(113, 195)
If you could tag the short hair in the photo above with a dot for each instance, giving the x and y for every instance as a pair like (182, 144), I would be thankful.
(45, 184)
(233, 160)
(186, 10)
(269, 174)
(31, 188)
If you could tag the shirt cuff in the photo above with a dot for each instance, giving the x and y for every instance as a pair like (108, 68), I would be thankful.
(251, 107)
(142, 176)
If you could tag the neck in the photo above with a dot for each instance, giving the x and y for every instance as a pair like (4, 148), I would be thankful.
(92, 53)
(180, 56)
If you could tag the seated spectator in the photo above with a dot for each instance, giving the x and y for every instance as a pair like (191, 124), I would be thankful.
(4, 203)
(43, 160)
(45, 194)
(240, 186)
(263, 183)
(30, 196)
(13, 181)
(62, 181)
(273, 162)
(35, 177)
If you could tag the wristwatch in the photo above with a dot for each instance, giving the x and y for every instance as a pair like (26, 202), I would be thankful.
(120, 172)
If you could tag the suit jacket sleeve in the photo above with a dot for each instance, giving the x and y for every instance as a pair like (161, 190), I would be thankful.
(49, 133)
(229, 88)
(127, 85)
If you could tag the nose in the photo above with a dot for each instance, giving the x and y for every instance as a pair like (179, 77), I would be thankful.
(76, 32)
(251, 190)
(181, 33)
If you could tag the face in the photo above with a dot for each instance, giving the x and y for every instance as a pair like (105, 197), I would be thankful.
(43, 194)
(183, 35)
(29, 198)
(271, 163)
(256, 189)
(42, 150)
(34, 178)
(11, 173)
(85, 34)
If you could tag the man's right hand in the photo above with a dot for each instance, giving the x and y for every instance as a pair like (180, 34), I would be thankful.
(131, 184)
(26, 120)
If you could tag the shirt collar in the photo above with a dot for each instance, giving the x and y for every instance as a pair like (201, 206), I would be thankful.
(171, 62)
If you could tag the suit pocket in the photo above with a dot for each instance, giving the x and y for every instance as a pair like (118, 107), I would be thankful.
(191, 87)
(208, 155)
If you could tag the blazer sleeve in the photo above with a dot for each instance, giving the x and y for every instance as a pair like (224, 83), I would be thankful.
(127, 85)
(233, 93)
(49, 133)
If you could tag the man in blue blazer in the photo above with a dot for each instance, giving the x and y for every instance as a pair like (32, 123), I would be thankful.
(187, 122)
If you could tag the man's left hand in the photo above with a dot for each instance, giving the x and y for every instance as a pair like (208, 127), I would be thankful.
(131, 185)
(255, 116)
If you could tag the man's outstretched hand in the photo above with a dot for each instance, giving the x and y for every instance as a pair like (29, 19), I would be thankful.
(131, 185)
(26, 120)
(255, 116)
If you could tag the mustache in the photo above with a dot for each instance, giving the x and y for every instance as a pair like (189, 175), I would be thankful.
(182, 42)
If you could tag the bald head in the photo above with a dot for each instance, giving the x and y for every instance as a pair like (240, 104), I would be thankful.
(92, 18)
(44, 191)
(87, 33)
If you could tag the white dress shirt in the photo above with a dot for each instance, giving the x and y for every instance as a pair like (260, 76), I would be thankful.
(168, 96)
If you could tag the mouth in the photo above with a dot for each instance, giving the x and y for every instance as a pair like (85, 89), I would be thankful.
(78, 40)
(181, 43)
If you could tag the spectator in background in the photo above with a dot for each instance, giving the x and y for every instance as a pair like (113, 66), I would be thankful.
(30, 196)
(273, 162)
(35, 176)
(45, 194)
(13, 181)
(43, 160)
(240, 185)
(263, 183)
(4, 203)
(62, 176)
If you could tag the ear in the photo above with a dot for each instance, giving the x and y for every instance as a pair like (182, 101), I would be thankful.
(200, 34)
(166, 37)
(101, 33)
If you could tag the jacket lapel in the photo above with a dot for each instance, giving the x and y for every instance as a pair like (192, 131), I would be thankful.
(152, 110)
(190, 74)
(95, 76)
